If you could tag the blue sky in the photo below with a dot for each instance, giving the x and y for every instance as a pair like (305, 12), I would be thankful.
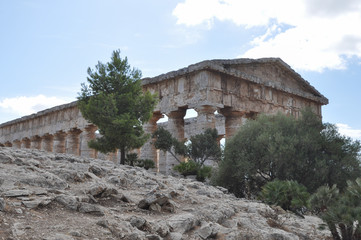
(47, 46)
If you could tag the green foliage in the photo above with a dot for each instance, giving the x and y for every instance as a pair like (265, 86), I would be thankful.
(132, 160)
(114, 101)
(202, 146)
(146, 163)
(203, 173)
(324, 197)
(343, 214)
(187, 168)
(167, 143)
(287, 194)
(278, 146)
(193, 168)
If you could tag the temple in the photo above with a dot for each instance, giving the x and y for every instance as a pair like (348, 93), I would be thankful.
(223, 93)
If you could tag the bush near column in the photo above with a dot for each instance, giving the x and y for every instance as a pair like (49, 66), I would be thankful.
(133, 160)
(282, 147)
(198, 150)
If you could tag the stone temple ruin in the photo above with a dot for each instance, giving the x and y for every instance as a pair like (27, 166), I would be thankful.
(224, 93)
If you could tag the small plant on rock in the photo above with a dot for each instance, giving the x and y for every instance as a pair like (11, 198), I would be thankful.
(324, 197)
(289, 195)
(133, 160)
(342, 214)
(201, 148)
(187, 168)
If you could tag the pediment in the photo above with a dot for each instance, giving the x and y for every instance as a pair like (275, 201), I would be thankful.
(270, 72)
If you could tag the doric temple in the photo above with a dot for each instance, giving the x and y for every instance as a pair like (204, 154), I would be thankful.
(224, 93)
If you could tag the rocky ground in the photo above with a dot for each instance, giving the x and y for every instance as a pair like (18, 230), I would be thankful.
(57, 196)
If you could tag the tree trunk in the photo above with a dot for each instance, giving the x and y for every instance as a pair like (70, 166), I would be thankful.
(122, 156)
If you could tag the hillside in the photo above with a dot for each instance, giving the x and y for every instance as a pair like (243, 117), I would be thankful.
(56, 196)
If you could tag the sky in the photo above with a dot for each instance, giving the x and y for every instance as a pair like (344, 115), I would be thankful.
(46, 46)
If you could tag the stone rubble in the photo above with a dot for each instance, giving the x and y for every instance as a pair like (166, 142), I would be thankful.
(53, 196)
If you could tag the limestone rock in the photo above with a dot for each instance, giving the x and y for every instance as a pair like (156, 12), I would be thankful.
(16, 193)
(70, 202)
(41, 197)
(183, 223)
(91, 209)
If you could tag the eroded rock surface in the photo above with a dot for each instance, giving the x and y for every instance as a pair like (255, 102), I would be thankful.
(55, 196)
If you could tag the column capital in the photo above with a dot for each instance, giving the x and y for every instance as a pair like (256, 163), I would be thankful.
(75, 131)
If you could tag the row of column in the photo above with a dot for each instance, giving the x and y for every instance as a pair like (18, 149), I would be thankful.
(205, 119)
(74, 142)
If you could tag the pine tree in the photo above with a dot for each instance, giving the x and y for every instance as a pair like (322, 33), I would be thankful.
(114, 101)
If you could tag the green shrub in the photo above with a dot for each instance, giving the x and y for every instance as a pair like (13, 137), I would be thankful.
(289, 195)
(281, 147)
(133, 160)
(324, 197)
(187, 168)
(203, 173)
(193, 168)
(343, 215)
(146, 163)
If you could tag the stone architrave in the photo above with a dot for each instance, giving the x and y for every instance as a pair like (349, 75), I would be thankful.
(176, 127)
(48, 142)
(73, 141)
(87, 135)
(148, 151)
(35, 142)
(59, 142)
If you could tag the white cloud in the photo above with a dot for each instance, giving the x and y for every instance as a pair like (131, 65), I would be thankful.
(27, 105)
(308, 35)
(346, 130)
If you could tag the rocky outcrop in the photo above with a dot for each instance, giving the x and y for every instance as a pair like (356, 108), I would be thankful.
(56, 196)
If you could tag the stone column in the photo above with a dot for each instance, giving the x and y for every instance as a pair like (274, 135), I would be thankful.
(206, 118)
(17, 144)
(148, 151)
(162, 161)
(25, 143)
(8, 144)
(59, 142)
(73, 142)
(35, 142)
(176, 127)
(87, 135)
(233, 121)
(48, 142)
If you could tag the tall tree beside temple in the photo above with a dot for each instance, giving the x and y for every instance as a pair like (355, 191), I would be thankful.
(114, 101)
